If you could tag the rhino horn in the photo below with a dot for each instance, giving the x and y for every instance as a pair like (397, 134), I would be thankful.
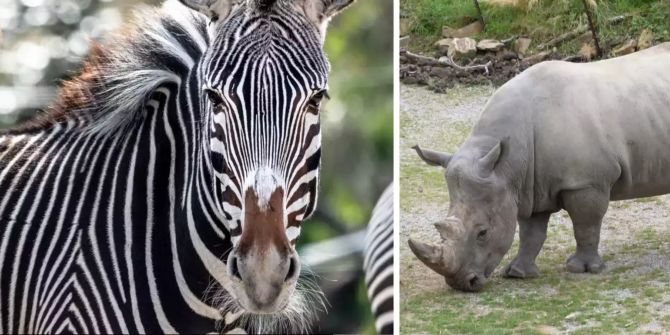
(431, 255)
(446, 229)
(449, 228)
(433, 158)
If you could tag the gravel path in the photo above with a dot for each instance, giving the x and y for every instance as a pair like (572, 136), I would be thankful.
(635, 240)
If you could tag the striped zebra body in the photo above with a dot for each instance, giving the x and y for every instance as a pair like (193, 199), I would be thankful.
(378, 262)
(185, 147)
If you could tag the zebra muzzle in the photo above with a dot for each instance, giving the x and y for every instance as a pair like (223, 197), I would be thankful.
(264, 268)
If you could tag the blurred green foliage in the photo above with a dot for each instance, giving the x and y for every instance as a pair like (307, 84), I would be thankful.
(357, 138)
(358, 121)
(357, 133)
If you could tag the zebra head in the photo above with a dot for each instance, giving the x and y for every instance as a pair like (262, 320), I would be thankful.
(264, 76)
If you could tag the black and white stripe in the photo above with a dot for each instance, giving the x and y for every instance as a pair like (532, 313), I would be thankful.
(378, 262)
(118, 216)
(275, 66)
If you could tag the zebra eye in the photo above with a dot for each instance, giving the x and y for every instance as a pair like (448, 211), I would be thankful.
(214, 96)
(315, 100)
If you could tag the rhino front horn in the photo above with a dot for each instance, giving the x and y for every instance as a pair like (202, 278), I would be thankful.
(429, 254)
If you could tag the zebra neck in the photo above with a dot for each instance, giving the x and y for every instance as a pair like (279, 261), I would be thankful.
(118, 200)
(136, 207)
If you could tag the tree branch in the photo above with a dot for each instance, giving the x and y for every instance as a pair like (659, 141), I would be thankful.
(449, 62)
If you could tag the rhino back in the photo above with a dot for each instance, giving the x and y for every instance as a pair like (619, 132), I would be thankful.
(604, 124)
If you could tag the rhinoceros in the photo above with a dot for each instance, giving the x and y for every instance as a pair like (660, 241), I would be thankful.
(557, 136)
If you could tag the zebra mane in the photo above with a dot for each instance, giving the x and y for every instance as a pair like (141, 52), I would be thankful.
(120, 74)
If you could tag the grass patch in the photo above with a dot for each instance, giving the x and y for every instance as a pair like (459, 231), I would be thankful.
(545, 20)
(415, 174)
(412, 177)
(579, 304)
(621, 300)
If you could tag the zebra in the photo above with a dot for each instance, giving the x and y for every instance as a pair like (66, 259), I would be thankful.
(378, 262)
(164, 189)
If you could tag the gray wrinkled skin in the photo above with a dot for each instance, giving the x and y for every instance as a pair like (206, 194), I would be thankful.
(558, 136)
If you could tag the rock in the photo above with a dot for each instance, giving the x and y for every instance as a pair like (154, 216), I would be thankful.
(463, 48)
(534, 59)
(573, 316)
(448, 31)
(645, 40)
(404, 26)
(467, 31)
(587, 51)
(404, 42)
(490, 45)
(444, 45)
(547, 330)
(625, 48)
(521, 45)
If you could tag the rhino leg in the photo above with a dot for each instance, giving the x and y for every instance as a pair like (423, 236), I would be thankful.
(586, 209)
(532, 233)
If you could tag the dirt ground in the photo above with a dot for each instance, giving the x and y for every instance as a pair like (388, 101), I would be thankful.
(631, 296)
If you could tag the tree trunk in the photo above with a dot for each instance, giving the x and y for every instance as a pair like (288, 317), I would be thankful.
(480, 17)
(593, 27)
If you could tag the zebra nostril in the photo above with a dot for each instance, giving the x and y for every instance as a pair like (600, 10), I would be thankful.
(291, 269)
(234, 270)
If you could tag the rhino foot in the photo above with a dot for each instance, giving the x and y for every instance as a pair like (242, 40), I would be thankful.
(520, 269)
(584, 263)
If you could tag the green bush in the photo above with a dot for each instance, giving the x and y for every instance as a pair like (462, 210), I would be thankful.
(544, 20)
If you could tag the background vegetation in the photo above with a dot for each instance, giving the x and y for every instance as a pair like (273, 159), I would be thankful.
(44, 41)
(540, 20)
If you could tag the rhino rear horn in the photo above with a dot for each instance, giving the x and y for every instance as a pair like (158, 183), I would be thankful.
(433, 158)
(446, 229)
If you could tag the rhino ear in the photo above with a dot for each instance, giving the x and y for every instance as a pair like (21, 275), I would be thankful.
(489, 161)
(214, 9)
(431, 157)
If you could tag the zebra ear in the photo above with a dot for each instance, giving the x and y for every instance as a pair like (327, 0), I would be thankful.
(215, 9)
(321, 11)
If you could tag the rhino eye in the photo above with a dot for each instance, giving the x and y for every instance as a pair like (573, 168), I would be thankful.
(482, 234)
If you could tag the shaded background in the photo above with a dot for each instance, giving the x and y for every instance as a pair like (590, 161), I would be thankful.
(43, 42)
